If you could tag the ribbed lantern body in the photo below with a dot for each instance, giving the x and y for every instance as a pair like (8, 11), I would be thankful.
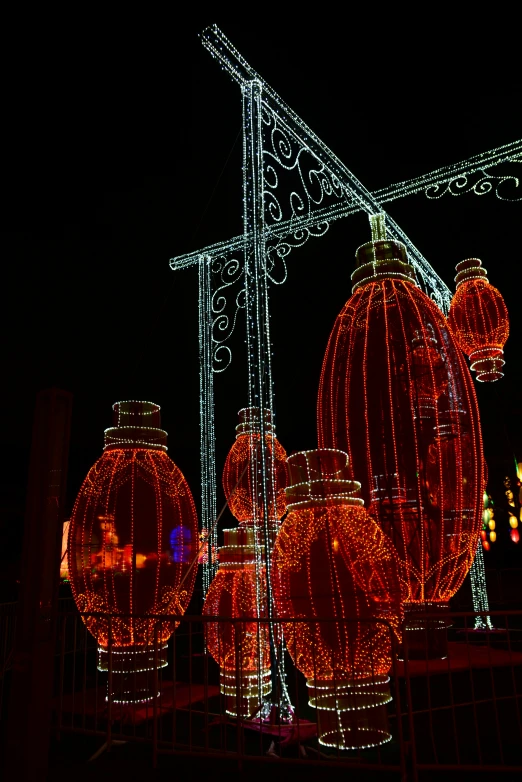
(334, 568)
(242, 647)
(478, 318)
(242, 482)
(132, 538)
(396, 394)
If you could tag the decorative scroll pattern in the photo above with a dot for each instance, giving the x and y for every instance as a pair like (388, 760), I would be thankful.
(296, 182)
(277, 249)
(229, 273)
(486, 183)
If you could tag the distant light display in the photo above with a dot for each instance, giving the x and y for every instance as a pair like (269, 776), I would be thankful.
(132, 507)
(330, 562)
(396, 394)
(478, 318)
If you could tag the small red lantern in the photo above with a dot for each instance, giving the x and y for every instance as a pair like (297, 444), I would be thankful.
(241, 648)
(335, 572)
(133, 538)
(479, 320)
(241, 474)
(515, 535)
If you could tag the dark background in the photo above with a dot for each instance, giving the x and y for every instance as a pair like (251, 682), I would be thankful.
(123, 149)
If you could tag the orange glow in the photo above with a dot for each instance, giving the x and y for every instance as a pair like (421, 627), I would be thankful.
(479, 320)
(121, 555)
(64, 562)
(396, 394)
(241, 649)
(331, 561)
(238, 590)
(243, 465)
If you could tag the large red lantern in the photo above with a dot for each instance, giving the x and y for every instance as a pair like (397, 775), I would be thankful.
(479, 320)
(396, 394)
(133, 539)
(334, 572)
(241, 648)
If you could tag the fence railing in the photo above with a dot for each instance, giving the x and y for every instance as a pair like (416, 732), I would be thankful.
(460, 712)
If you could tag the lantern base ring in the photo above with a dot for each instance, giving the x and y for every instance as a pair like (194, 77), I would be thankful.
(132, 672)
(425, 635)
(244, 690)
(351, 714)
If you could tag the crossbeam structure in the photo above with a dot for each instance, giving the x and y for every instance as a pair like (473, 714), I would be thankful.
(294, 186)
(453, 179)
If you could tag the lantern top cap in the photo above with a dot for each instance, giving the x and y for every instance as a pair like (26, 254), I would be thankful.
(323, 474)
(135, 413)
(381, 258)
(250, 420)
(136, 424)
(470, 269)
(239, 548)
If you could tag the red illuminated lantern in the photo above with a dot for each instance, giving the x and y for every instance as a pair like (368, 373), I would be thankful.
(241, 648)
(133, 538)
(239, 589)
(479, 320)
(396, 394)
(334, 571)
(242, 472)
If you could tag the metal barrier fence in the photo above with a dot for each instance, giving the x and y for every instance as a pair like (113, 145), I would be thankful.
(461, 712)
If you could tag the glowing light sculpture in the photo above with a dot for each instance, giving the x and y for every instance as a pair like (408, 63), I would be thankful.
(247, 651)
(133, 538)
(396, 394)
(242, 482)
(334, 571)
(479, 320)
(242, 647)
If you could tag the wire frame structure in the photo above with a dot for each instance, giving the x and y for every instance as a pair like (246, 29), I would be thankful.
(479, 320)
(133, 539)
(396, 394)
(332, 562)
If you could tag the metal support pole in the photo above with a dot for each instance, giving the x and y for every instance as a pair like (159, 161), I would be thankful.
(259, 355)
(206, 413)
(479, 593)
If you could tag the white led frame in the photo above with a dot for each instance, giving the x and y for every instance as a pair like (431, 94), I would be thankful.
(267, 233)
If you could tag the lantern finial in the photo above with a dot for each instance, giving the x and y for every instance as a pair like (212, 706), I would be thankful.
(378, 225)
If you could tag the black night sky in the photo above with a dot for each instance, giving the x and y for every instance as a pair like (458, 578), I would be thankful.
(124, 149)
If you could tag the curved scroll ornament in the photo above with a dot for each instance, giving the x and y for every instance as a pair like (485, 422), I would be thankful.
(277, 249)
(486, 183)
(296, 182)
(230, 273)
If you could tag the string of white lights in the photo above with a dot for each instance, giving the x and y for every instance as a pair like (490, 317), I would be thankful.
(448, 179)
(207, 430)
(352, 196)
